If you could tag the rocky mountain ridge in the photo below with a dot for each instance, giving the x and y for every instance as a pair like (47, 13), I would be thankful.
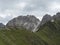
(48, 17)
(29, 22)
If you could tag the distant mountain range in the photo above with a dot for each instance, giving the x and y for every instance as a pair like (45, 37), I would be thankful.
(30, 22)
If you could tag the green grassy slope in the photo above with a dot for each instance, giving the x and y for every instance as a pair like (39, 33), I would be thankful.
(50, 32)
(19, 37)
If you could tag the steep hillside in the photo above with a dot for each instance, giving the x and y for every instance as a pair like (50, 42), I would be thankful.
(50, 32)
(19, 37)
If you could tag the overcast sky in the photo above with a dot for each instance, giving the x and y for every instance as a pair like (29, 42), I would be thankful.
(13, 8)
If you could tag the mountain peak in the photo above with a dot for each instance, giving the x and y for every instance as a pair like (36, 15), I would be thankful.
(57, 16)
(47, 16)
(29, 22)
(45, 19)
(58, 13)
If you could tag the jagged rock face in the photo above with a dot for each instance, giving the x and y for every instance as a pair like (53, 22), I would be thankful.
(29, 22)
(45, 19)
(57, 16)
(1, 25)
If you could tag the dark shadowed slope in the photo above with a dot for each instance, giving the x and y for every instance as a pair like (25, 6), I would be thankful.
(50, 32)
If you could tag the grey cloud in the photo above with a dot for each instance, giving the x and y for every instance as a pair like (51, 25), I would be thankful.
(36, 7)
(5, 20)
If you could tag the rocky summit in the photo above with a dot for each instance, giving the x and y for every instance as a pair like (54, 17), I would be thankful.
(45, 19)
(29, 22)
(48, 17)
(57, 16)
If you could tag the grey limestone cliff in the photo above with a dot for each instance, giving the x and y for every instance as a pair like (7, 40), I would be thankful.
(29, 22)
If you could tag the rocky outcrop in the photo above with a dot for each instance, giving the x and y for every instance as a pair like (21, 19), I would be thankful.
(45, 19)
(57, 16)
(29, 22)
